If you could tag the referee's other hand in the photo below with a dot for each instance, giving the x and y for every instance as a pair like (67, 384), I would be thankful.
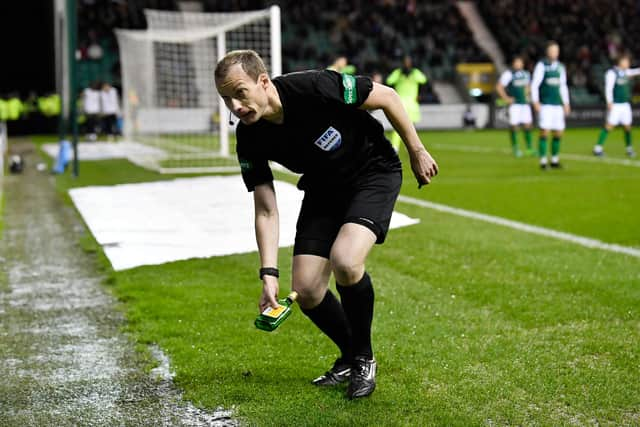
(423, 165)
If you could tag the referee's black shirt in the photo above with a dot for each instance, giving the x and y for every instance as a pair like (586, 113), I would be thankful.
(324, 136)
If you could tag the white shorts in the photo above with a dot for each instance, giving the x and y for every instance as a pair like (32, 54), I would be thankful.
(620, 114)
(520, 114)
(551, 117)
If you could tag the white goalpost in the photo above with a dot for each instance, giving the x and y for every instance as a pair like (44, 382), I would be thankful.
(169, 96)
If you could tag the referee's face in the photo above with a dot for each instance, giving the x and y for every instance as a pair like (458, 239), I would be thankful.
(245, 98)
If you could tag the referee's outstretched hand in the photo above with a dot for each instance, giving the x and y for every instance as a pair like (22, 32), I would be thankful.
(423, 166)
(269, 297)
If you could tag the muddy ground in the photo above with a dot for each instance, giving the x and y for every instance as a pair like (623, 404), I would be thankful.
(64, 359)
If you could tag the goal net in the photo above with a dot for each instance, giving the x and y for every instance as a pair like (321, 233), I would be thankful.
(170, 102)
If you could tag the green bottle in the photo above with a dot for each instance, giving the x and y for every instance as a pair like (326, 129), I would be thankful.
(271, 318)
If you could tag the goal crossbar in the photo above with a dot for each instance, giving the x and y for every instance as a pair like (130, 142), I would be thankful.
(169, 97)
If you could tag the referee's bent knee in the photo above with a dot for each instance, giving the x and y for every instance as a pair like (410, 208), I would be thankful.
(345, 270)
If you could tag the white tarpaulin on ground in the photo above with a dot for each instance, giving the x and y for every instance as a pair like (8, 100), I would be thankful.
(108, 150)
(159, 222)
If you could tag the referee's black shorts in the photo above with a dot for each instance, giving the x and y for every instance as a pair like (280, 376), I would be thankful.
(369, 202)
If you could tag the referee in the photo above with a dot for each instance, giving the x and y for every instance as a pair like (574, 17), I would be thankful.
(316, 123)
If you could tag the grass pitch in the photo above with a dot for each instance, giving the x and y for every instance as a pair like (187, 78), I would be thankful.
(475, 324)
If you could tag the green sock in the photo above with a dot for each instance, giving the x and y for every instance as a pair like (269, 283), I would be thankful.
(514, 140)
(555, 146)
(627, 138)
(603, 136)
(542, 146)
(527, 138)
(395, 141)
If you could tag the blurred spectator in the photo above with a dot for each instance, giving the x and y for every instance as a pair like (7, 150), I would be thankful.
(584, 57)
(14, 106)
(94, 51)
(4, 110)
(613, 46)
(578, 78)
(110, 104)
(91, 108)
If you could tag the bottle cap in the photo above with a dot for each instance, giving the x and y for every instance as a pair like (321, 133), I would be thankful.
(293, 296)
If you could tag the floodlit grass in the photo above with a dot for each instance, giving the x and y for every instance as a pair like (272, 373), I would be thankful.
(2, 201)
(472, 324)
(593, 199)
(189, 143)
(184, 150)
(1, 208)
(475, 323)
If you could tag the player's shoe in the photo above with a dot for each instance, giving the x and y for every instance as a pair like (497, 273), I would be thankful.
(363, 378)
(517, 154)
(544, 166)
(598, 152)
(631, 153)
(339, 373)
(556, 165)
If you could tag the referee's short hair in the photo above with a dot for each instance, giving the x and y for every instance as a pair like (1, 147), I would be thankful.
(250, 61)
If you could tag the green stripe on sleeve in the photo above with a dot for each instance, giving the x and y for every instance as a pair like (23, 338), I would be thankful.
(349, 84)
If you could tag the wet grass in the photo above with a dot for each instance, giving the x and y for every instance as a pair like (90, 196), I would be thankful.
(3, 278)
(1, 207)
(594, 199)
(475, 324)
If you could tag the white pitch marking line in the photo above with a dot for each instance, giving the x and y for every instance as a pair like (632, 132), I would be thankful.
(578, 157)
(521, 226)
(594, 159)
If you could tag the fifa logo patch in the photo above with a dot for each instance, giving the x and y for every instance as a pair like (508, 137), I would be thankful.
(330, 140)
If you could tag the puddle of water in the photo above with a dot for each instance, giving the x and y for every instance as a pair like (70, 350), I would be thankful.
(190, 414)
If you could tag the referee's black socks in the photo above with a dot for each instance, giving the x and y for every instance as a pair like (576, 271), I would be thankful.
(330, 318)
(357, 301)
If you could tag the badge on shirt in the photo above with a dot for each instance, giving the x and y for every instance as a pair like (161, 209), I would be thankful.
(330, 140)
(349, 84)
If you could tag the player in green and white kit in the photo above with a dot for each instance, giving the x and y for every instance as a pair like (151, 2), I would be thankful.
(550, 96)
(406, 81)
(513, 88)
(618, 94)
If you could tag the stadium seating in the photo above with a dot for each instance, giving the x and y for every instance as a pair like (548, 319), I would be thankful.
(591, 34)
(374, 38)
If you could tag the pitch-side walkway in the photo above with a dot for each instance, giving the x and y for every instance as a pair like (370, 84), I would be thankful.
(63, 358)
